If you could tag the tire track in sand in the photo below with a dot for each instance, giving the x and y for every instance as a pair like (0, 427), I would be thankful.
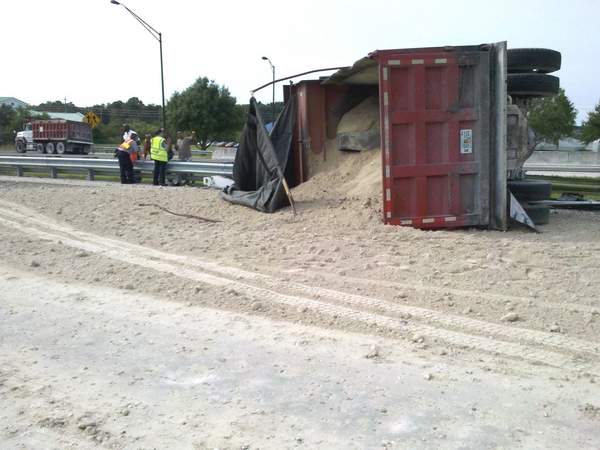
(126, 253)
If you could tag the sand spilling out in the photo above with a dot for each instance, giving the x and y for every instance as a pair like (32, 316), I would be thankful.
(349, 175)
(363, 117)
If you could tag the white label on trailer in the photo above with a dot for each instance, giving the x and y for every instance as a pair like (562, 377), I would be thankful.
(385, 98)
(441, 61)
(394, 62)
(450, 219)
(466, 142)
(385, 74)
(388, 215)
(418, 61)
(387, 171)
(41, 129)
(429, 220)
(406, 222)
(388, 195)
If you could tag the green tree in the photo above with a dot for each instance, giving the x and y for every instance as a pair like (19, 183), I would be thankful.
(12, 120)
(266, 110)
(57, 106)
(553, 118)
(207, 108)
(590, 129)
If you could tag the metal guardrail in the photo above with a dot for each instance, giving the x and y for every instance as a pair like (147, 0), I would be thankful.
(562, 168)
(100, 148)
(92, 166)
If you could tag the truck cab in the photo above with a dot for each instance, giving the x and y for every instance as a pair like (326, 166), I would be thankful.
(24, 139)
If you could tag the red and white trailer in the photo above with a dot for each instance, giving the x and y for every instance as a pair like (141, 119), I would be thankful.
(55, 136)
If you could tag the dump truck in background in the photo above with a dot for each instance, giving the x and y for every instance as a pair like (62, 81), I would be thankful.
(55, 136)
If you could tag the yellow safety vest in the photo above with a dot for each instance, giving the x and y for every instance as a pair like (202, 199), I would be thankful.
(158, 149)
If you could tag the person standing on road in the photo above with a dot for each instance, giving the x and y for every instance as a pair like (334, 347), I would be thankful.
(158, 153)
(184, 146)
(184, 153)
(147, 140)
(124, 153)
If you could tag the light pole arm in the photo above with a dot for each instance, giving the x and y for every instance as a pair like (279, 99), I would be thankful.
(155, 34)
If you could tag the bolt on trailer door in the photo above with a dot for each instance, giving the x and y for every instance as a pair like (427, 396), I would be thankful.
(435, 133)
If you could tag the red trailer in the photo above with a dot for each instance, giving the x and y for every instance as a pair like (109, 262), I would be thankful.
(61, 136)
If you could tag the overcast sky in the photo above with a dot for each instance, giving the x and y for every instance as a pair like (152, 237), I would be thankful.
(91, 51)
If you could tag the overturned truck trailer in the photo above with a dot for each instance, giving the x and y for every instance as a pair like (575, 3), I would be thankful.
(446, 120)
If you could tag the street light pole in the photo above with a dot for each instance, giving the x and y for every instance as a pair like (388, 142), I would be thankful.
(158, 36)
(162, 83)
(273, 102)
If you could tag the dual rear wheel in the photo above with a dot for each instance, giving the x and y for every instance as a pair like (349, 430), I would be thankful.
(528, 70)
(51, 148)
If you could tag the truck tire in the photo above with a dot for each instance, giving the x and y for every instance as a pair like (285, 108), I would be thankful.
(50, 148)
(39, 147)
(540, 214)
(530, 190)
(528, 60)
(21, 146)
(532, 85)
(61, 148)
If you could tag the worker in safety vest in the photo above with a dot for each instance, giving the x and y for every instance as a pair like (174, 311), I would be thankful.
(158, 153)
(124, 152)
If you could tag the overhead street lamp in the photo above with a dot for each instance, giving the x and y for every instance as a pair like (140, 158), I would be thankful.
(158, 36)
(273, 103)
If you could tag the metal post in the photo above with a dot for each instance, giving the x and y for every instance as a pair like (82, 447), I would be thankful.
(499, 204)
(162, 82)
(53, 172)
(19, 171)
(264, 58)
(273, 103)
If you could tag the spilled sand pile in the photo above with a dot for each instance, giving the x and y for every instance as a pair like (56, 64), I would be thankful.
(347, 175)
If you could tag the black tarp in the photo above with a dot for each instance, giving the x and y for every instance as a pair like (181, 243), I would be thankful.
(261, 160)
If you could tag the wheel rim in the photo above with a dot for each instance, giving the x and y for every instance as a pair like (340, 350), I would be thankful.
(50, 148)
(60, 148)
(39, 148)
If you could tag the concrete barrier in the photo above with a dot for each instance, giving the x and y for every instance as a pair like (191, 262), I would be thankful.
(557, 157)
(224, 153)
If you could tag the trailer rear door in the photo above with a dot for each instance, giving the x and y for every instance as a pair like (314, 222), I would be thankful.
(435, 136)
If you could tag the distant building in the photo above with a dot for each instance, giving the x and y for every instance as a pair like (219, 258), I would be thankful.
(13, 102)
